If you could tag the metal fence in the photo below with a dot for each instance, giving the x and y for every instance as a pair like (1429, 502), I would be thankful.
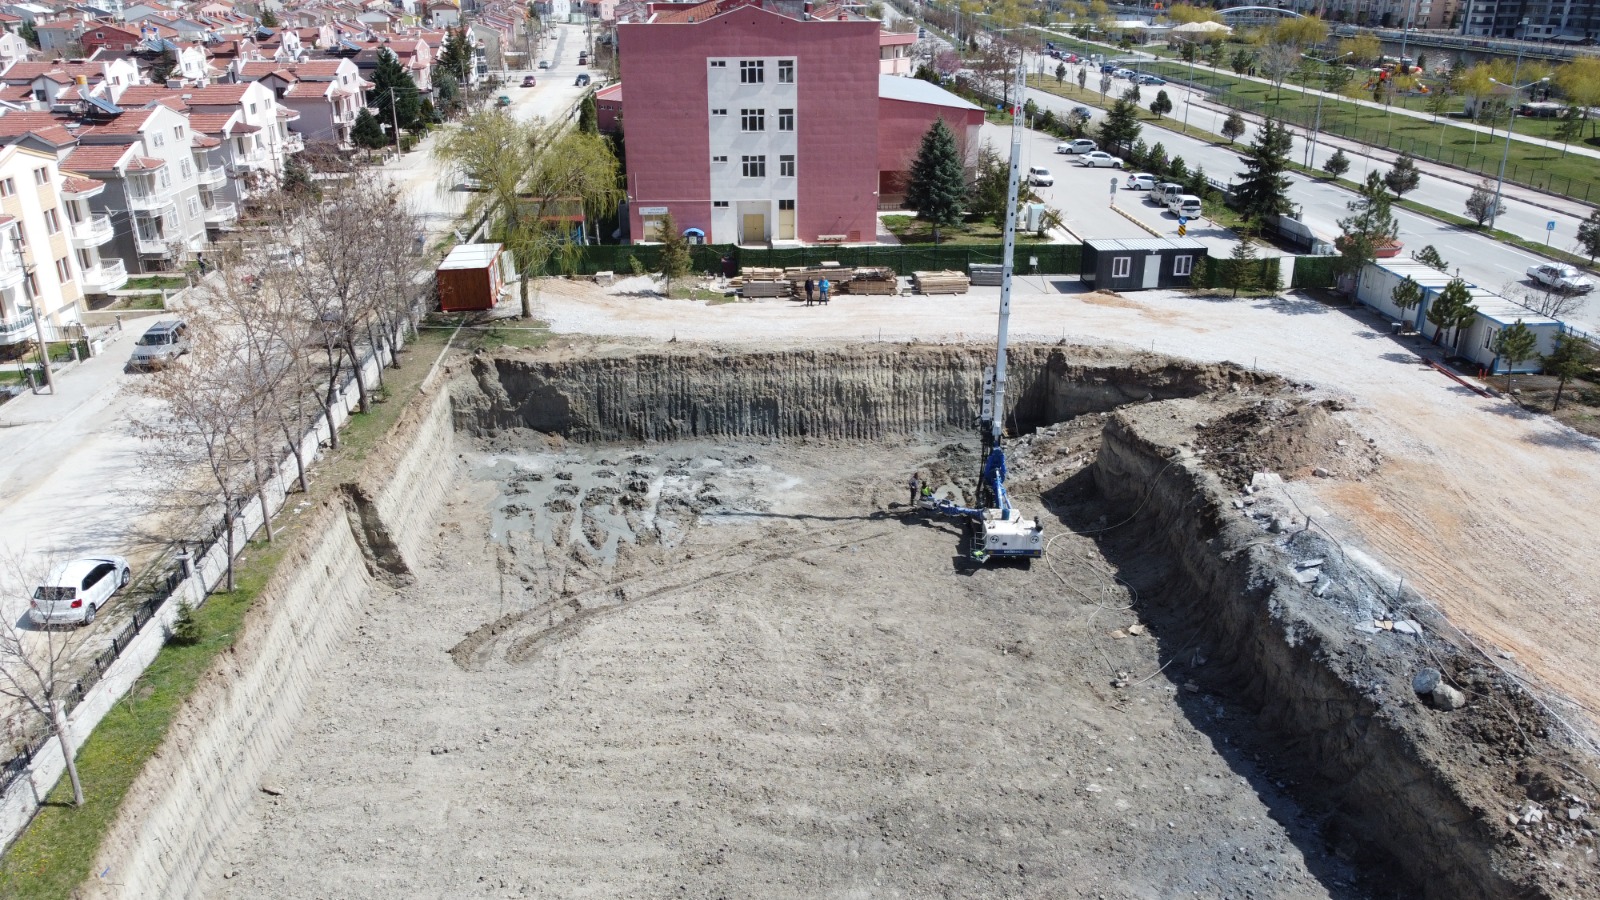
(1040, 259)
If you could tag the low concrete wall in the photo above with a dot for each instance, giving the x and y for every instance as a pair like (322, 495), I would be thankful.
(207, 774)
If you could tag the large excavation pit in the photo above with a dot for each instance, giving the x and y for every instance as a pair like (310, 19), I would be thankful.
(676, 633)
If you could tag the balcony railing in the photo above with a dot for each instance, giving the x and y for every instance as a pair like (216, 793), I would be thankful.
(91, 232)
(211, 177)
(153, 246)
(17, 329)
(108, 276)
(294, 142)
(221, 214)
(149, 200)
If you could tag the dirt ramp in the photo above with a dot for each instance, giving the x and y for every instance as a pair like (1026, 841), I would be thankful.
(870, 392)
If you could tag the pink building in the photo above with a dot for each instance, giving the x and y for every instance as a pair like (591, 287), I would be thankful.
(894, 53)
(752, 125)
(907, 108)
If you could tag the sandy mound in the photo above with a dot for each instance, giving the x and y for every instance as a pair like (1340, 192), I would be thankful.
(1293, 438)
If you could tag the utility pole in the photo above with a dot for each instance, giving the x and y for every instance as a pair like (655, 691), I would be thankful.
(394, 116)
(38, 317)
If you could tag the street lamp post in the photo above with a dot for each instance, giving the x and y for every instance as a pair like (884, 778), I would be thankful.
(1499, 184)
(1316, 128)
(38, 318)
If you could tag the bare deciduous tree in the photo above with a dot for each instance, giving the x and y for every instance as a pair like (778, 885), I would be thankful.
(33, 672)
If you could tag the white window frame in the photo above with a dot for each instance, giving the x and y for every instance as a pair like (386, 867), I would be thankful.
(753, 166)
(785, 120)
(719, 204)
(52, 222)
(752, 120)
(719, 112)
(1489, 336)
(786, 165)
(719, 159)
(752, 71)
(64, 270)
(786, 67)
(1182, 265)
(1121, 266)
(719, 64)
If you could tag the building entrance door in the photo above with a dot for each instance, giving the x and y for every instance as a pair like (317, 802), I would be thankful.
(755, 229)
(785, 220)
(1152, 270)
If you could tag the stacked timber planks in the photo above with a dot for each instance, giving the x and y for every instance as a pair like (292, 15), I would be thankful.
(755, 289)
(986, 273)
(874, 281)
(945, 282)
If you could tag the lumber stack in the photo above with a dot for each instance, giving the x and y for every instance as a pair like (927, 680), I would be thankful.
(945, 282)
(760, 273)
(986, 273)
(762, 288)
(874, 281)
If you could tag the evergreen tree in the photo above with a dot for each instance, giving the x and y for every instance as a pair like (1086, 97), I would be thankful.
(1083, 77)
(1233, 126)
(1132, 94)
(1242, 61)
(1177, 170)
(1196, 183)
(1120, 128)
(297, 176)
(1243, 268)
(926, 73)
(1428, 256)
(162, 67)
(937, 186)
(1452, 309)
(1514, 345)
(1570, 359)
(1061, 72)
(1215, 54)
(1589, 235)
(367, 133)
(1157, 160)
(676, 257)
(1337, 164)
(29, 33)
(186, 630)
(448, 92)
(1263, 190)
(1162, 104)
(269, 19)
(394, 95)
(1372, 226)
(1404, 176)
(1407, 294)
(456, 56)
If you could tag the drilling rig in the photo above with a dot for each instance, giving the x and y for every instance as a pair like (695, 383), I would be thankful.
(999, 530)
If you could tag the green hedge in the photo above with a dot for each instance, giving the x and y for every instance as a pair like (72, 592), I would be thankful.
(1313, 272)
(1054, 259)
(1214, 273)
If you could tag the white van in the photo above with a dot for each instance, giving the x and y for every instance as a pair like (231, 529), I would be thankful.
(1185, 205)
(1039, 176)
(1165, 191)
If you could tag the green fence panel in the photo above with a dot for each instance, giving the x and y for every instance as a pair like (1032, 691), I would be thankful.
(1052, 259)
(1314, 272)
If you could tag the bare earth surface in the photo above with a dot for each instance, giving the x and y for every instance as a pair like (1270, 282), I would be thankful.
(768, 683)
(1488, 510)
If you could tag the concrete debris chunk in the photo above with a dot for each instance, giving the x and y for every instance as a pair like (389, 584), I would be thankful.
(1320, 472)
(1307, 576)
(1574, 813)
(1446, 697)
(1265, 479)
(1136, 629)
(1323, 585)
(1309, 563)
(1408, 626)
(1425, 681)
(1531, 813)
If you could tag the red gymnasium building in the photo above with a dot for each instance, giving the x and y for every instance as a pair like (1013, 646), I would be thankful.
(756, 121)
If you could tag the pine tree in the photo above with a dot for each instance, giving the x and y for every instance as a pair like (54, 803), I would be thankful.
(1570, 359)
(1120, 128)
(394, 95)
(367, 133)
(29, 33)
(1515, 344)
(1428, 256)
(1589, 235)
(297, 176)
(162, 67)
(1337, 164)
(587, 115)
(269, 19)
(1061, 72)
(1404, 176)
(1452, 309)
(676, 257)
(456, 56)
(1263, 190)
(1233, 126)
(1162, 104)
(1406, 295)
(1372, 226)
(1243, 269)
(1482, 205)
(937, 186)
(186, 630)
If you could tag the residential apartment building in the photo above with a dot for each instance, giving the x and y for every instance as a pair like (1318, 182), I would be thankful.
(752, 123)
(1534, 20)
(755, 122)
(89, 232)
(39, 276)
(325, 93)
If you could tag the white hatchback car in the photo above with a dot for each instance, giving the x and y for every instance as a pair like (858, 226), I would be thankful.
(1140, 181)
(1099, 159)
(77, 590)
(1039, 176)
(1081, 145)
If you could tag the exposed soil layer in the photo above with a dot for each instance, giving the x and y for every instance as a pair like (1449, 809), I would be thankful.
(712, 655)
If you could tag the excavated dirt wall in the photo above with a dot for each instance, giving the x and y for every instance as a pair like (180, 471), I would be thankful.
(861, 393)
(1425, 787)
(206, 776)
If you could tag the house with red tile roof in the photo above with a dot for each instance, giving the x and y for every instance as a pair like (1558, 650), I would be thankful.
(47, 278)
(327, 94)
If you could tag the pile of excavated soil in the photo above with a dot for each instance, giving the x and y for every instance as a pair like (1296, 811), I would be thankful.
(1294, 438)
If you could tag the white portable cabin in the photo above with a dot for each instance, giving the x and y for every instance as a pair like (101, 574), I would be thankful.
(1375, 288)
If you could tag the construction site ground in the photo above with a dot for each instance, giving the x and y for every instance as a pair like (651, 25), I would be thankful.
(1487, 508)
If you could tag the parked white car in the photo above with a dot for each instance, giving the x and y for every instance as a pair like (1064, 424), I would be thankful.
(1081, 145)
(77, 590)
(1163, 192)
(1099, 159)
(1140, 181)
(1185, 205)
(1560, 277)
(1039, 176)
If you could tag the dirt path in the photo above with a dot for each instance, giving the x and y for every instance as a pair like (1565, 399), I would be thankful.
(1486, 509)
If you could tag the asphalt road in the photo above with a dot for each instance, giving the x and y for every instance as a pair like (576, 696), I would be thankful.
(1479, 258)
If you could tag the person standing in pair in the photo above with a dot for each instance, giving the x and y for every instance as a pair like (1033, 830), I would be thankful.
(825, 286)
(811, 288)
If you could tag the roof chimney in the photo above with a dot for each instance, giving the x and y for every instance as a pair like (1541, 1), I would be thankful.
(807, 13)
